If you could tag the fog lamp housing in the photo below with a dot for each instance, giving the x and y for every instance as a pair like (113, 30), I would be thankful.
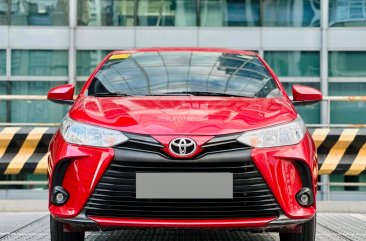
(305, 197)
(59, 195)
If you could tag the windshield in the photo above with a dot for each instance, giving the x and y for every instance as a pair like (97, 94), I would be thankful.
(188, 73)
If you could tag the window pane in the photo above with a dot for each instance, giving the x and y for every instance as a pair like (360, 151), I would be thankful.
(310, 113)
(347, 112)
(346, 179)
(362, 179)
(345, 89)
(4, 20)
(87, 60)
(79, 85)
(294, 63)
(347, 63)
(35, 111)
(106, 13)
(3, 114)
(2, 62)
(344, 13)
(291, 13)
(336, 178)
(166, 13)
(217, 13)
(39, 62)
(40, 12)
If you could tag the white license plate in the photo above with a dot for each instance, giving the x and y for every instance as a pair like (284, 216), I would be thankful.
(184, 185)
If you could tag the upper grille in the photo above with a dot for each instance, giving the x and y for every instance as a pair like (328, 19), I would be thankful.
(114, 195)
(146, 143)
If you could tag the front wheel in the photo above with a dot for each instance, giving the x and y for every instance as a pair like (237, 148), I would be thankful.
(58, 233)
(307, 234)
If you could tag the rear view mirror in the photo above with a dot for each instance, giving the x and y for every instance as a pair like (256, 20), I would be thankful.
(63, 94)
(305, 95)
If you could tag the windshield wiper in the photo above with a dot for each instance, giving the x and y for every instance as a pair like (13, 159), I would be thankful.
(204, 93)
(170, 94)
(178, 93)
(109, 94)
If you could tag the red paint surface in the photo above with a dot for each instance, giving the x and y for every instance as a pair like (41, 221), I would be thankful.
(176, 115)
(305, 93)
(62, 92)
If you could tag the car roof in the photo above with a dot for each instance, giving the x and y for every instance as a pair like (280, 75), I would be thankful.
(186, 49)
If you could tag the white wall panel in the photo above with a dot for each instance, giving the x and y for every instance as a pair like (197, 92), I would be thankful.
(347, 39)
(299, 79)
(3, 36)
(347, 79)
(291, 38)
(240, 38)
(109, 38)
(27, 37)
(166, 37)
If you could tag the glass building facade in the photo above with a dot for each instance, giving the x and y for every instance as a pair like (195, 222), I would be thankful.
(44, 43)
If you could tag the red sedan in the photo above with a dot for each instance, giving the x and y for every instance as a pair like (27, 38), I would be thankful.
(183, 138)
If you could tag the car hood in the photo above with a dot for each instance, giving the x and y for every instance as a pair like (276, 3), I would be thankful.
(182, 115)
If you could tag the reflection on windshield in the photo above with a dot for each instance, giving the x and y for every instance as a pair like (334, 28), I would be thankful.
(154, 73)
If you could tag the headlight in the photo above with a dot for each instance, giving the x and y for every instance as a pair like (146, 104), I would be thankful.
(89, 135)
(282, 135)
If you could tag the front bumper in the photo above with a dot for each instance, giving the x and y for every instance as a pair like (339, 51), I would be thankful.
(281, 223)
(277, 167)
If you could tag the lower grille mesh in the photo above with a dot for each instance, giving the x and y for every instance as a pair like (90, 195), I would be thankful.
(114, 195)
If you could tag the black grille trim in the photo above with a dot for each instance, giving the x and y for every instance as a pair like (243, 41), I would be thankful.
(222, 139)
(223, 143)
(142, 143)
(114, 196)
(146, 143)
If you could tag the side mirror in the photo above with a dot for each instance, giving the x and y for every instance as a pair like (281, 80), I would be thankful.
(63, 94)
(305, 95)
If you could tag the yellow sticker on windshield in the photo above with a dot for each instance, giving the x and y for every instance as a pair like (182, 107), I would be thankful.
(119, 56)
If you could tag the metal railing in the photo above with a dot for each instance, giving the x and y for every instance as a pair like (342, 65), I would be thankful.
(22, 183)
(25, 98)
(329, 99)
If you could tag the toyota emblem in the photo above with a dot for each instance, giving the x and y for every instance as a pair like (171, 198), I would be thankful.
(182, 146)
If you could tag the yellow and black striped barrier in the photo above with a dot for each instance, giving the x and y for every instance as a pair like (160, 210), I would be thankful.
(340, 151)
(24, 149)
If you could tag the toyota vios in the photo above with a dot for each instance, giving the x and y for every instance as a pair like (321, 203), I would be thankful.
(183, 138)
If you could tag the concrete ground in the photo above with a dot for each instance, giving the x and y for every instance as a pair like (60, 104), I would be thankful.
(30, 226)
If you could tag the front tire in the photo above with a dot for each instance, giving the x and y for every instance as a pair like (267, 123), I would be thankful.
(58, 233)
(307, 234)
